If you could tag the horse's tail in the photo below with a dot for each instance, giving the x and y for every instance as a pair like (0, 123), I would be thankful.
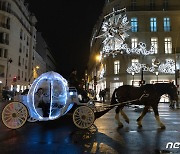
(113, 98)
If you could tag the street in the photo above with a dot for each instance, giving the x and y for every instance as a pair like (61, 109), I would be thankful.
(61, 136)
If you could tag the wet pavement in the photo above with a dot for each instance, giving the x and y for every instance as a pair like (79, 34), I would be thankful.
(62, 137)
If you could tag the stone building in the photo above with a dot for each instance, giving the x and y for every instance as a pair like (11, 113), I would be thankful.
(152, 24)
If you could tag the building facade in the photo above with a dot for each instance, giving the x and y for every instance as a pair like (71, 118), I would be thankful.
(153, 25)
(21, 59)
(17, 44)
(44, 51)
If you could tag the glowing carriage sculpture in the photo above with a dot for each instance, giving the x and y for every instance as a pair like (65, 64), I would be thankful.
(59, 99)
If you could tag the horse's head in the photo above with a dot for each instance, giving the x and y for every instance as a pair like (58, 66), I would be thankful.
(172, 91)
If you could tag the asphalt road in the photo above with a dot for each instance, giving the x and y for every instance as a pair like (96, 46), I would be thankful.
(62, 137)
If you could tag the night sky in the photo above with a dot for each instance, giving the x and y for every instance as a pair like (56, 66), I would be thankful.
(67, 26)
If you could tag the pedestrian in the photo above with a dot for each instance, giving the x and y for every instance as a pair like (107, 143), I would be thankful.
(100, 95)
(73, 81)
(103, 95)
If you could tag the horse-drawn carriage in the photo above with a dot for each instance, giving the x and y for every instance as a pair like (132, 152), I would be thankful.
(50, 98)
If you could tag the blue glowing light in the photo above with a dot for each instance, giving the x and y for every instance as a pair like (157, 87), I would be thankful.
(47, 97)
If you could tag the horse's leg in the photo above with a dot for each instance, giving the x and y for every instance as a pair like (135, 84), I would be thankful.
(139, 120)
(124, 116)
(156, 114)
(117, 117)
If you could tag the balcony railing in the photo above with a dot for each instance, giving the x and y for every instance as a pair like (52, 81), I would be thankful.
(6, 9)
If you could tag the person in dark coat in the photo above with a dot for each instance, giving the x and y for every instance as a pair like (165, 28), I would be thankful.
(73, 82)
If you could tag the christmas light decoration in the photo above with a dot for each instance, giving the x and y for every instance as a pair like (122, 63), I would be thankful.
(167, 67)
(115, 32)
(136, 68)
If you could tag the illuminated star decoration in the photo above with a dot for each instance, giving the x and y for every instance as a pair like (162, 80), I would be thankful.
(167, 67)
(114, 30)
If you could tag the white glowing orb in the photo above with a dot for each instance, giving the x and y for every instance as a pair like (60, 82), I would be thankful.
(47, 97)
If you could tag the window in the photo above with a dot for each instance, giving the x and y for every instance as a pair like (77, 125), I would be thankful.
(1, 71)
(134, 42)
(154, 43)
(134, 61)
(152, 4)
(5, 53)
(27, 52)
(116, 66)
(133, 4)
(21, 34)
(153, 24)
(168, 45)
(20, 48)
(19, 61)
(1, 52)
(167, 24)
(134, 24)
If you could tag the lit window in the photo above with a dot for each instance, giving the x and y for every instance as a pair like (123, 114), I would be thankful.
(116, 66)
(134, 42)
(166, 24)
(153, 24)
(134, 24)
(168, 45)
(134, 61)
(154, 43)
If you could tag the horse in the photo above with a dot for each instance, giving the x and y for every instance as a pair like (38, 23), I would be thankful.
(153, 94)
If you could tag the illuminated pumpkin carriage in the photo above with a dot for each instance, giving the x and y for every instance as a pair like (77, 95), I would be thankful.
(48, 99)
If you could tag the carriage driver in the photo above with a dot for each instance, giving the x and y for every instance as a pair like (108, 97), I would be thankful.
(73, 82)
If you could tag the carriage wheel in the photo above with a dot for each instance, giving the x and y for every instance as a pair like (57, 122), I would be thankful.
(83, 117)
(14, 115)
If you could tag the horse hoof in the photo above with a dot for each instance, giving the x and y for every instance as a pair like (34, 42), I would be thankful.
(127, 121)
(139, 126)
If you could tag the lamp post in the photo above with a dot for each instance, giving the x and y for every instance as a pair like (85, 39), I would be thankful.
(7, 68)
(34, 73)
(176, 71)
(133, 78)
(157, 73)
(98, 59)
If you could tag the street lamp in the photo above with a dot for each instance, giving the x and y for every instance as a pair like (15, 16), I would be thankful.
(133, 78)
(7, 68)
(157, 73)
